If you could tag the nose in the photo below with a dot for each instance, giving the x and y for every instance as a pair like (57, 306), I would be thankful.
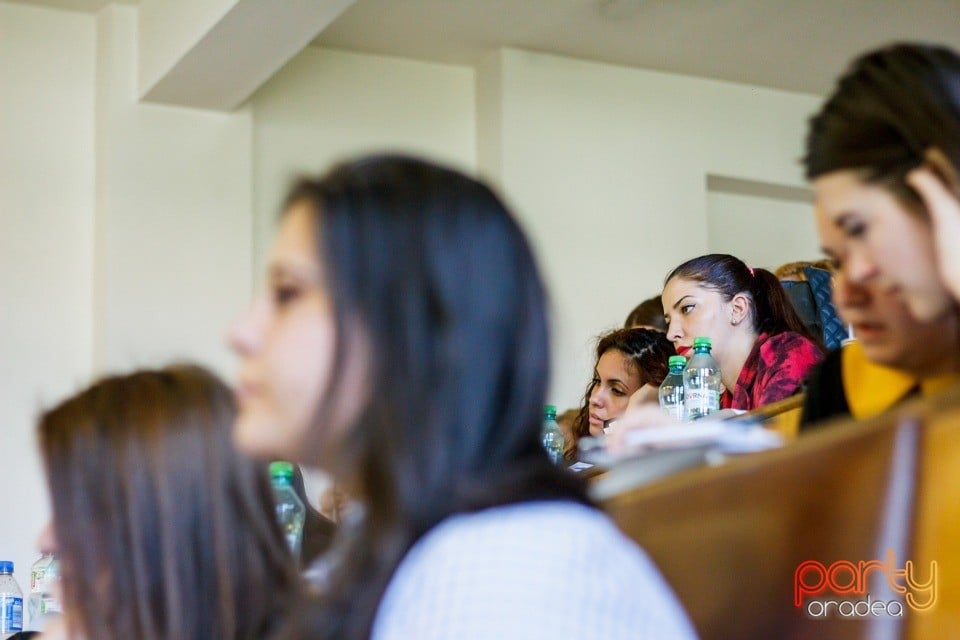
(596, 397)
(847, 295)
(674, 332)
(46, 540)
(859, 267)
(246, 334)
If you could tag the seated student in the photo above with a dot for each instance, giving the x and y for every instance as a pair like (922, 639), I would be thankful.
(402, 346)
(647, 315)
(629, 362)
(893, 357)
(162, 529)
(882, 156)
(764, 350)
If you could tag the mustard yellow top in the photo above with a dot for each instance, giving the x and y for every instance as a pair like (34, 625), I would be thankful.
(873, 388)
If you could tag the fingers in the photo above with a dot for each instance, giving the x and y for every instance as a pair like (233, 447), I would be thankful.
(644, 416)
(644, 395)
(943, 206)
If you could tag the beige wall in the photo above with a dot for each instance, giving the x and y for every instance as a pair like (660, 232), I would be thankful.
(326, 105)
(46, 245)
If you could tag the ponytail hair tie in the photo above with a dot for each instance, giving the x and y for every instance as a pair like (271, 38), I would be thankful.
(752, 274)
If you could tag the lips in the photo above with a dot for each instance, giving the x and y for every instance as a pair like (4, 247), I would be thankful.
(683, 351)
(594, 420)
(867, 330)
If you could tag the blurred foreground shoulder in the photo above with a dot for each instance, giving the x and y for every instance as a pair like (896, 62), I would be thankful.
(531, 570)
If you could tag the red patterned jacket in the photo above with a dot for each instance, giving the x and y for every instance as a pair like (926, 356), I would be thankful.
(775, 369)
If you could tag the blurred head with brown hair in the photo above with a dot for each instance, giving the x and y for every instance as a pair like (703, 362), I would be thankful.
(647, 315)
(163, 530)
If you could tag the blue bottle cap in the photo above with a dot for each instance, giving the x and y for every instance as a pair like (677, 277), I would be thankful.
(6, 566)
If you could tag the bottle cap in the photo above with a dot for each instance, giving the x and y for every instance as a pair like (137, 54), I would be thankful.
(676, 361)
(702, 341)
(550, 411)
(281, 469)
(6, 566)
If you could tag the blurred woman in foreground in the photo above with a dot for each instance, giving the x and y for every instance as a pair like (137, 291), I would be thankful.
(163, 531)
(402, 346)
(882, 155)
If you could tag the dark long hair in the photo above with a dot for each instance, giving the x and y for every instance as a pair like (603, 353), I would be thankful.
(889, 108)
(771, 311)
(648, 351)
(433, 271)
(164, 531)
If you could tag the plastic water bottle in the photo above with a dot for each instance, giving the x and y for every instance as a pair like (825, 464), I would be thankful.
(701, 382)
(671, 389)
(41, 603)
(290, 510)
(551, 436)
(11, 602)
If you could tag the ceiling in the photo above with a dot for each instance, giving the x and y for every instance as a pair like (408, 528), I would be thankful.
(795, 45)
(88, 6)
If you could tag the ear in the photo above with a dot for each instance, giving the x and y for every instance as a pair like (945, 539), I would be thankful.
(739, 308)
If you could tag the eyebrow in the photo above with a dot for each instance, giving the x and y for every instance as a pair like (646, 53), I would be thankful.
(678, 302)
(279, 271)
(596, 375)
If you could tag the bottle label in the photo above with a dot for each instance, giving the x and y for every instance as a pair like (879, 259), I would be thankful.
(11, 613)
(701, 401)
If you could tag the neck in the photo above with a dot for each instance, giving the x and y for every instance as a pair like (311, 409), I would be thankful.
(947, 364)
(734, 356)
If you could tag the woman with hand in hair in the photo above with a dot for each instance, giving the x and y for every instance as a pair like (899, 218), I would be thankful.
(882, 157)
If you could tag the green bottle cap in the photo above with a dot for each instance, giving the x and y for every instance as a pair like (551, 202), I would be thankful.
(550, 411)
(702, 341)
(677, 361)
(281, 469)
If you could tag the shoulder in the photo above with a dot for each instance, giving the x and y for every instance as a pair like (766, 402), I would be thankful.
(790, 347)
(528, 570)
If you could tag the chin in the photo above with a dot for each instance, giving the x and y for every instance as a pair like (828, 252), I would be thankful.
(883, 354)
(254, 437)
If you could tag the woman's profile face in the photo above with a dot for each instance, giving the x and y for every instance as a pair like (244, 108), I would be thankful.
(614, 381)
(693, 310)
(286, 344)
(882, 242)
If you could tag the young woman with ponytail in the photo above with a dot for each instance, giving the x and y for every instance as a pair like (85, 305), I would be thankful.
(764, 350)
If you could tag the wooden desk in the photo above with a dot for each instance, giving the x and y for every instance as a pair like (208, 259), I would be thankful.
(730, 538)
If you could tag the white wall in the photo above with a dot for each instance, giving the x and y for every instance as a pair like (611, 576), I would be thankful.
(174, 218)
(125, 231)
(607, 168)
(764, 232)
(46, 245)
(328, 105)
